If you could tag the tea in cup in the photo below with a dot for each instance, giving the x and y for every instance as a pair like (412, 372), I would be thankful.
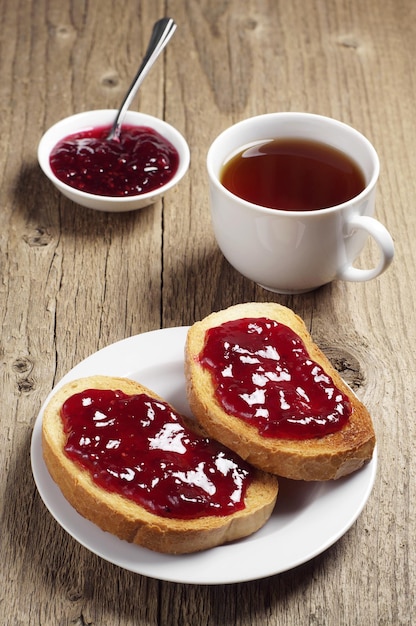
(292, 200)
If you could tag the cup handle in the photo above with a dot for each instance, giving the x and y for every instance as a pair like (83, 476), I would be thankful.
(384, 241)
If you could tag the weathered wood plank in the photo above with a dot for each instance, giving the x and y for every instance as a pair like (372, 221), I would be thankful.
(73, 281)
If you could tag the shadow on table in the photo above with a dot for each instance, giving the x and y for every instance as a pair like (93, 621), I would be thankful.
(47, 213)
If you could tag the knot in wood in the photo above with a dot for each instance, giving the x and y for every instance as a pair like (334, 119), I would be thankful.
(25, 385)
(110, 80)
(346, 364)
(39, 237)
(22, 365)
(349, 41)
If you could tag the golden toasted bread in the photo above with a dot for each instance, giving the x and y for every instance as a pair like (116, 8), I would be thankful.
(317, 458)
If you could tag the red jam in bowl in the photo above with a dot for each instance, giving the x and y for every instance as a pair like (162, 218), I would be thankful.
(141, 160)
(139, 447)
(264, 375)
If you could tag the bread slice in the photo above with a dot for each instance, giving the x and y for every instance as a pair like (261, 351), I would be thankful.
(319, 458)
(126, 519)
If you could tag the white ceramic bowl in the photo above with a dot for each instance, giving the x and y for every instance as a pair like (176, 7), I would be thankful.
(88, 119)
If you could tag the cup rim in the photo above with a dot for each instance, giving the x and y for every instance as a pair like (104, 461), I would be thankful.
(85, 119)
(313, 117)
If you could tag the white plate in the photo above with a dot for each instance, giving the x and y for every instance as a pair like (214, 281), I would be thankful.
(308, 518)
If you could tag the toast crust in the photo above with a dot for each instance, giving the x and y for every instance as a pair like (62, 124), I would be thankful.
(124, 518)
(322, 458)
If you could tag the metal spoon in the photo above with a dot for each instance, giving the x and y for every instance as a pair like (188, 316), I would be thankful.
(161, 34)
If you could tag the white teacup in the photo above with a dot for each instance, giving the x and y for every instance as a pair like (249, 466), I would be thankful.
(297, 251)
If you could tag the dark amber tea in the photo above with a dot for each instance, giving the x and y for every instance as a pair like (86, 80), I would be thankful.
(293, 175)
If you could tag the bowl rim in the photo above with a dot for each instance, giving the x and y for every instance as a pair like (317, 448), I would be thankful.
(79, 121)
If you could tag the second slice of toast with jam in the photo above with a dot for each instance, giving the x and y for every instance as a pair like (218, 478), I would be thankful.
(258, 383)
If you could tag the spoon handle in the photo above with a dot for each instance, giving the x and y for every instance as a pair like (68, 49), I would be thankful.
(161, 34)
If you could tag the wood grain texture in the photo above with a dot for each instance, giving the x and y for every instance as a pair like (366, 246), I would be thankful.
(73, 281)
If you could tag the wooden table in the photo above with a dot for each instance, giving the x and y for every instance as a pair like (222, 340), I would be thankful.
(75, 280)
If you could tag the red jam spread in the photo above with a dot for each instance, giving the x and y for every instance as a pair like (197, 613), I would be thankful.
(264, 375)
(139, 447)
(139, 161)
